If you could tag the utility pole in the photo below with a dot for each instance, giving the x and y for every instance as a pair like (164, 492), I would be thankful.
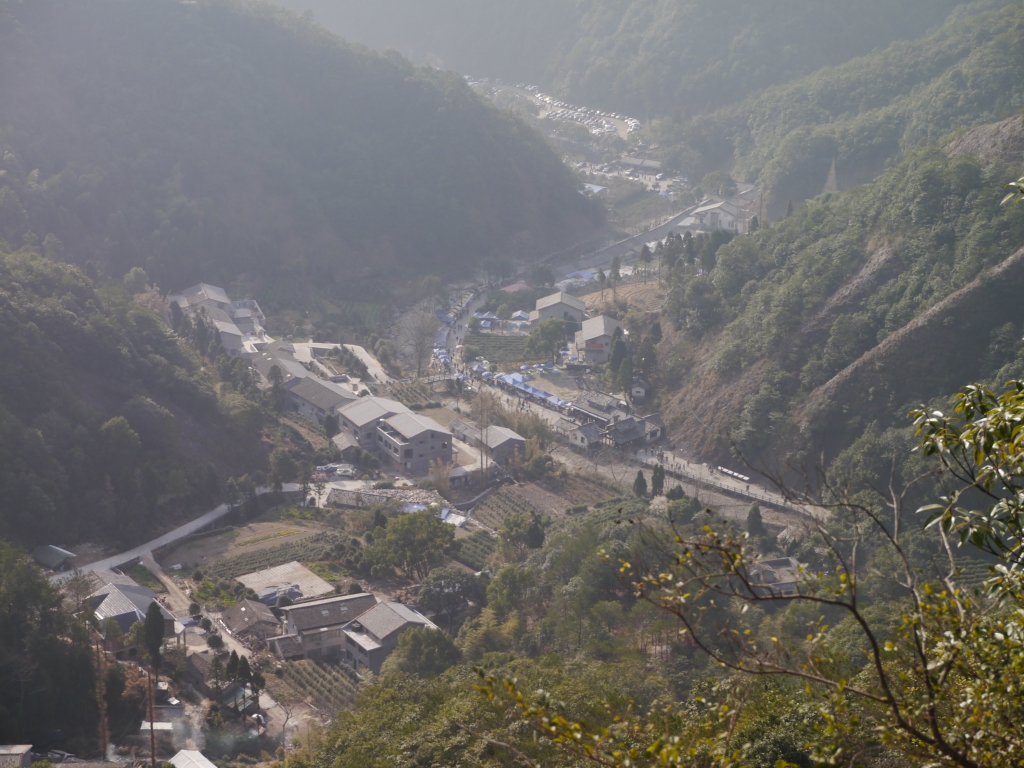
(152, 733)
(101, 698)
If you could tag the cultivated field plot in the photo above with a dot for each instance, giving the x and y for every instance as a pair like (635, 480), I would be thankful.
(309, 583)
(499, 349)
(474, 550)
(648, 297)
(499, 505)
(332, 687)
(319, 546)
(349, 311)
(199, 551)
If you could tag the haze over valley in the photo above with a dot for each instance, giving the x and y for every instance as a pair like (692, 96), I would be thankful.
(394, 383)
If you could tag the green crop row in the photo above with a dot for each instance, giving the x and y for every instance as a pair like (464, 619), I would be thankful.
(475, 550)
(320, 546)
(332, 687)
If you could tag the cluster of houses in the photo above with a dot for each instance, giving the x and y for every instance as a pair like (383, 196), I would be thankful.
(605, 420)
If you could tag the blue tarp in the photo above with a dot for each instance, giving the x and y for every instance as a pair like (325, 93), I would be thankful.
(485, 323)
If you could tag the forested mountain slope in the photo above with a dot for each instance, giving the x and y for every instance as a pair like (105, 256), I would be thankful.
(644, 57)
(203, 140)
(863, 114)
(809, 334)
(109, 426)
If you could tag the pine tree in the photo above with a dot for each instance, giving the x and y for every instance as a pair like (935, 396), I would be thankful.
(640, 484)
(658, 480)
(755, 525)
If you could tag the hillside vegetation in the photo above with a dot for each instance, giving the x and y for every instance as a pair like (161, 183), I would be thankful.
(644, 57)
(109, 426)
(205, 140)
(862, 114)
(826, 328)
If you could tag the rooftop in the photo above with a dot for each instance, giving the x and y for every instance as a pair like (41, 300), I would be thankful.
(561, 298)
(127, 603)
(309, 584)
(317, 392)
(385, 619)
(246, 615)
(328, 611)
(410, 425)
(602, 325)
(50, 556)
(367, 410)
(495, 436)
(190, 758)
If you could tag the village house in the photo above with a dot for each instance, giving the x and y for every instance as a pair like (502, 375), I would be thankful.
(775, 578)
(190, 758)
(15, 755)
(412, 442)
(559, 305)
(312, 629)
(369, 638)
(52, 558)
(633, 429)
(281, 354)
(125, 604)
(501, 444)
(236, 321)
(360, 418)
(594, 340)
(250, 620)
(721, 214)
(585, 436)
(639, 389)
(594, 405)
(317, 399)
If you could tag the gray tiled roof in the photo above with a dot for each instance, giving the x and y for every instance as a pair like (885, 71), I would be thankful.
(561, 298)
(496, 436)
(329, 611)
(50, 556)
(386, 618)
(367, 410)
(247, 615)
(410, 425)
(288, 646)
(602, 325)
(125, 603)
(314, 391)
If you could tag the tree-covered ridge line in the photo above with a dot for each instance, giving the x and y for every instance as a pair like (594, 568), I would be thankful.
(784, 334)
(203, 141)
(111, 425)
(863, 114)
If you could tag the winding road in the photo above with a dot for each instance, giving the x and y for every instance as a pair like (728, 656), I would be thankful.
(168, 538)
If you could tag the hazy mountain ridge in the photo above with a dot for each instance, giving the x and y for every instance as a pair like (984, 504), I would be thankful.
(853, 310)
(204, 140)
(643, 57)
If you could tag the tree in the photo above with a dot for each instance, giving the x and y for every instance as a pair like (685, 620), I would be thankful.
(217, 673)
(422, 651)
(547, 338)
(755, 525)
(417, 335)
(447, 590)
(331, 427)
(277, 391)
(602, 278)
(519, 533)
(282, 468)
(78, 587)
(542, 275)
(614, 273)
(789, 209)
(719, 183)
(624, 379)
(645, 259)
(640, 484)
(414, 543)
(176, 316)
(657, 480)
(136, 281)
(154, 639)
(258, 683)
(647, 357)
(619, 353)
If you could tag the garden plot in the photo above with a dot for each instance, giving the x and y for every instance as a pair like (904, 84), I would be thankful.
(332, 687)
(308, 582)
(493, 510)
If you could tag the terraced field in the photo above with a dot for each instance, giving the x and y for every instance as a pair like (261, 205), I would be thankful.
(475, 550)
(331, 687)
(319, 546)
(496, 507)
